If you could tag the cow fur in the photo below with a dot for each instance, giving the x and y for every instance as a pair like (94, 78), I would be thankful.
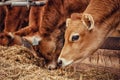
(16, 18)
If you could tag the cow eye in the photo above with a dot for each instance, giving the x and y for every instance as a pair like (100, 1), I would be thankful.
(75, 37)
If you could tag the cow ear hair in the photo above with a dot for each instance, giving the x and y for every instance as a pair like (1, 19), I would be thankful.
(34, 39)
(88, 21)
(68, 20)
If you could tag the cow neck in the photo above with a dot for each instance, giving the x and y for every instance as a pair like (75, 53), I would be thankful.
(105, 16)
(57, 4)
(101, 10)
(48, 20)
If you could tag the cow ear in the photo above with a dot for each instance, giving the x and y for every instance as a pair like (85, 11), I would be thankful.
(34, 39)
(88, 21)
(68, 21)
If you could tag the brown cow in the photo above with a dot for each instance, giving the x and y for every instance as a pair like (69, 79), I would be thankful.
(12, 19)
(51, 26)
(86, 32)
(15, 19)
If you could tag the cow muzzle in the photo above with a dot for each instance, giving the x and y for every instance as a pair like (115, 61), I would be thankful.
(63, 62)
(52, 65)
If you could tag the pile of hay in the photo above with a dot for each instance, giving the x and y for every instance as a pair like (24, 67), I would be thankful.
(18, 63)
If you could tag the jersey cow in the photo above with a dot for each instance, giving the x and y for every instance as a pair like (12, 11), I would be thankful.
(11, 20)
(50, 25)
(87, 31)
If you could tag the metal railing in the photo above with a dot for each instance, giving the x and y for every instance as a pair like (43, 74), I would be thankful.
(22, 3)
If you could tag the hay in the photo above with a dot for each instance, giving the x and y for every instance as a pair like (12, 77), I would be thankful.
(18, 63)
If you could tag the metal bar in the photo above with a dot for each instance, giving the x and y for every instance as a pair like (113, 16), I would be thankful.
(112, 43)
(5, 3)
(32, 3)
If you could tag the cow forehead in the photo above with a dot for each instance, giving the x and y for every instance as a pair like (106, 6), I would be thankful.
(75, 26)
(76, 22)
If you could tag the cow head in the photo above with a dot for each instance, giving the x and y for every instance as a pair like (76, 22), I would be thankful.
(8, 39)
(51, 32)
(82, 38)
(49, 46)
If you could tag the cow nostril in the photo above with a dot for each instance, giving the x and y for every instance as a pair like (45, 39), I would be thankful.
(49, 68)
(60, 62)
